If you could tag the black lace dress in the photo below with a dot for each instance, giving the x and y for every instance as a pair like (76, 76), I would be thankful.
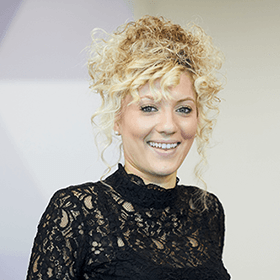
(129, 231)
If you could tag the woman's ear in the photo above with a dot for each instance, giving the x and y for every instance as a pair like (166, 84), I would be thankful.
(117, 126)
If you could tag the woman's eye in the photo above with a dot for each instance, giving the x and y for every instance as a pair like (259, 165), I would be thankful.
(148, 109)
(184, 110)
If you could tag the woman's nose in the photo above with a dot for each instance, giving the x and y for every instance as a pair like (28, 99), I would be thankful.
(167, 123)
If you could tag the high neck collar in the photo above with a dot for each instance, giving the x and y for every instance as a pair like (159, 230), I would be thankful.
(133, 189)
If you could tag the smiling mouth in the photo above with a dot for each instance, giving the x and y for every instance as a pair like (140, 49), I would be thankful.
(164, 146)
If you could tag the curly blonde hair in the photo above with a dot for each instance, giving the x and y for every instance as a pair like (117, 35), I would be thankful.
(146, 50)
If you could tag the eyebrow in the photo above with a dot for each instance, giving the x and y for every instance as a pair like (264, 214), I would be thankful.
(177, 101)
(186, 99)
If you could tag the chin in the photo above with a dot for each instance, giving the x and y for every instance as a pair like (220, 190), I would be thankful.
(164, 171)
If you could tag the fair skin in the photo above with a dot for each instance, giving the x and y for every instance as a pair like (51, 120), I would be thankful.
(157, 136)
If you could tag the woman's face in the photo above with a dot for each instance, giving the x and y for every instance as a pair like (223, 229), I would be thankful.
(157, 136)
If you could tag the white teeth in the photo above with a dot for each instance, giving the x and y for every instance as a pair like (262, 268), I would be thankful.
(163, 145)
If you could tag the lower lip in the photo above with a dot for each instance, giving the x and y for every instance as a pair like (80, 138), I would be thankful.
(164, 152)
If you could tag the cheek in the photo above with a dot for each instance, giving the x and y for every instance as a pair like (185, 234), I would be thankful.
(135, 127)
(189, 130)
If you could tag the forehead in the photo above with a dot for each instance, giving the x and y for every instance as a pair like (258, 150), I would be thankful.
(184, 89)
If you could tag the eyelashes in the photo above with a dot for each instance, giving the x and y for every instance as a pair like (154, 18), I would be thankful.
(184, 109)
(149, 109)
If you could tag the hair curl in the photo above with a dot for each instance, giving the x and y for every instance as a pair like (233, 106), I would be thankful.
(148, 49)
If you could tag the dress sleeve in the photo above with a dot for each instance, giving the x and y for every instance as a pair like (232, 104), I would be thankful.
(217, 223)
(58, 246)
(220, 217)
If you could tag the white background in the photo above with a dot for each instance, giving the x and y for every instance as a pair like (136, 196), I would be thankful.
(46, 139)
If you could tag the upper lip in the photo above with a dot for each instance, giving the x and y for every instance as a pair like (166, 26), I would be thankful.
(164, 141)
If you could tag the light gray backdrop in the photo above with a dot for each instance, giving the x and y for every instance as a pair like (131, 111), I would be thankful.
(46, 140)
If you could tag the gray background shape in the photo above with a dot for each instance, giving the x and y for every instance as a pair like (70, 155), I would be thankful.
(46, 140)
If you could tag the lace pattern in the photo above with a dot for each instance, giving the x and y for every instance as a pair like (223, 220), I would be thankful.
(128, 231)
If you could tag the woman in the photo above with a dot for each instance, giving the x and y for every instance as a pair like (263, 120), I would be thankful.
(158, 84)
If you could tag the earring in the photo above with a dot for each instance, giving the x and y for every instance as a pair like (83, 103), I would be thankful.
(116, 133)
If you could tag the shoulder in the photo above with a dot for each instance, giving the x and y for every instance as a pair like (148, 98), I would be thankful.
(74, 204)
(78, 196)
(201, 199)
(206, 208)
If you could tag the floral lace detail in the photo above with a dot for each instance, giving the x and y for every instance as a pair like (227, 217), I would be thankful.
(128, 231)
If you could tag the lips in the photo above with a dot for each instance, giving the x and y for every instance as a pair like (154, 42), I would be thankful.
(164, 146)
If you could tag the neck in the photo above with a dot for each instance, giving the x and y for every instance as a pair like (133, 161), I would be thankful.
(164, 181)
